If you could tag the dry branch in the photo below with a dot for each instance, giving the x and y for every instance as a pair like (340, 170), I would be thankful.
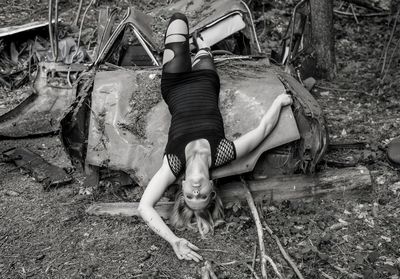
(365, 3)
(78, 13)
(274, 267)
(389, 42)
(390, 60)
(260, 233)
(283, 252)
(252, 271)
(257, 221)
(360, 15)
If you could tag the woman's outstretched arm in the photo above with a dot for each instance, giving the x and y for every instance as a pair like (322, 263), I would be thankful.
(252, 139)
(154, 191)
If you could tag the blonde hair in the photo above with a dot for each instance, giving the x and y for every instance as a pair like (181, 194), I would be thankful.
(183, 216)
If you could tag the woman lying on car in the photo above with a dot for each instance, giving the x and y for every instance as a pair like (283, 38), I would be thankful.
(196, 139)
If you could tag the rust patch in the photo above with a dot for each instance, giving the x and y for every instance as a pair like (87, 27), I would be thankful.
(144, 98)
(227, 98)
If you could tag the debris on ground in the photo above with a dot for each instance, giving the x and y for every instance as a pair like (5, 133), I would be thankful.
(42, 171)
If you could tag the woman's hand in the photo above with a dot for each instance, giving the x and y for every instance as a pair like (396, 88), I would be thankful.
(186, 250)
(284, 99)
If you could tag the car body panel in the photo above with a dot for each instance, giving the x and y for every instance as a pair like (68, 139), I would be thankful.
(41, 112)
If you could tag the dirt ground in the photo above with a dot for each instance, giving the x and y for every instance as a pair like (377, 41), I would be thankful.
(47, 234)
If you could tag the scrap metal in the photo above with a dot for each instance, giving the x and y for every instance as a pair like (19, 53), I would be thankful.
(44, 172)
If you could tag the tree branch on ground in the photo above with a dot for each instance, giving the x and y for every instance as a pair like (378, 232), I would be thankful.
(260, 233)
(283, 251)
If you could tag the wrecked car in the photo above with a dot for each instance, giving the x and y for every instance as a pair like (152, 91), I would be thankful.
(118, 121)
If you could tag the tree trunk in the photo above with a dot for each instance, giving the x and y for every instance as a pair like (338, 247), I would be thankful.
(333, 183)
(323, 37)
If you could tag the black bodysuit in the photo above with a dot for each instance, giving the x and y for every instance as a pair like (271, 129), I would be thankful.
(192, 99)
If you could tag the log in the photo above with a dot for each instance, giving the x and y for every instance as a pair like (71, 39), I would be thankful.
(333, 183)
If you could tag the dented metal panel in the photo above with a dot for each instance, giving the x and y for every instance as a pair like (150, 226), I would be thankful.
(311, 123)
(114, 141)
(207, 12)
(11, 30)
(47, 174)
(43, 111)
(111, 142)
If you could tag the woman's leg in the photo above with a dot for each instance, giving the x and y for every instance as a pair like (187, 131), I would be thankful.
(203, 59)
(176, 57)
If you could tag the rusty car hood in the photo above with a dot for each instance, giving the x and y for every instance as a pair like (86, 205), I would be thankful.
(129, 132)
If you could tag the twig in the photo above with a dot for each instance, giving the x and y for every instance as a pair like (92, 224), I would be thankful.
(78, 13)
(390, 41)
(354, 13)
(260, 233)
(213, 250)
(360, 15)
(274, 267)
(365, 4)
(252, 271)
(80, 28)
(285, 255)
(231, 263)
(254, 256)
(340, 89)
(390, 60)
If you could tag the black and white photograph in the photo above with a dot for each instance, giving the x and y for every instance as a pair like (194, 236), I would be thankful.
(200, 139)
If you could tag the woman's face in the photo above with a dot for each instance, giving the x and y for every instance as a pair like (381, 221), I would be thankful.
(197, 191)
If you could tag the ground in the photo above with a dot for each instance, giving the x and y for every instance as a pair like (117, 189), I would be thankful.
(47, 234)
